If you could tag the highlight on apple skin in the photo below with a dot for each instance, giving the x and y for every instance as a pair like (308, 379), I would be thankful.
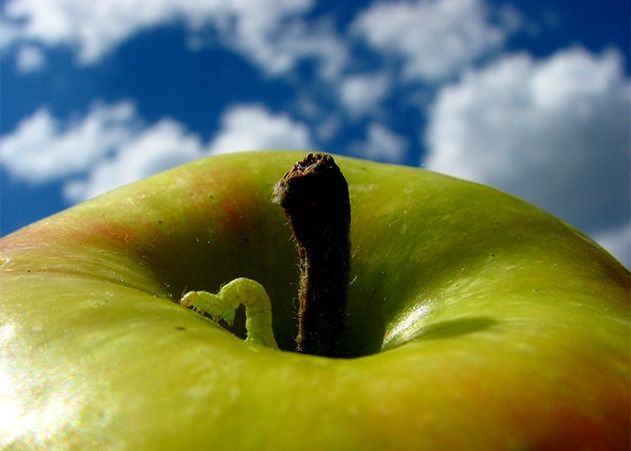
(475, 321)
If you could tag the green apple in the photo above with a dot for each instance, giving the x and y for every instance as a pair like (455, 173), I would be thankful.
(475, 321)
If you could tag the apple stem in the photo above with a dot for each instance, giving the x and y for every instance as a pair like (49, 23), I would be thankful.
(314, 195)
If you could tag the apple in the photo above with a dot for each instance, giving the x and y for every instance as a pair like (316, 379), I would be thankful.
(474, 321)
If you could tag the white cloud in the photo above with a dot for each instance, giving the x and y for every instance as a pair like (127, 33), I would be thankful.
(434, 38)
(271, 33)
(93, 28)
(253, 127)
(162, 146)
(9, 32)
(555, 132)
(361, 94)
(381, 144)
(111, 145)
(168, 143)
(618, 242)
(277, 48)
(43, 148)
(329, 127)
(30, 59)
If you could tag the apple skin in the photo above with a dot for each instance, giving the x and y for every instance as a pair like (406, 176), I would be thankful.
(483, 322)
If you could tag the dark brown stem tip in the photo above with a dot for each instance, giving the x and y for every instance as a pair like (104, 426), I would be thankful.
(315, 168)
(314, 195)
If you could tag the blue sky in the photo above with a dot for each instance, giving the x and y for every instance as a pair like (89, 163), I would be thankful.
(531, 97)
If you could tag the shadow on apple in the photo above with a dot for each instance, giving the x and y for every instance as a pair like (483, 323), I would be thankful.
(455, 328)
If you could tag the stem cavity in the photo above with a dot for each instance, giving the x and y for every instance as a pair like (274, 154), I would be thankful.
(314, 195)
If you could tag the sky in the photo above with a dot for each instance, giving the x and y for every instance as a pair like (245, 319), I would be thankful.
(532, 97)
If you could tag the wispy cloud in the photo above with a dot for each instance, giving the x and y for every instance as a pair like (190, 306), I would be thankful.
(43, 148)
(284, 42)
(555, 132)
(30, 58)
(112, 145)
(433, 39)
(618, 241)
(152, 149)
(361, 94)
(270, 33)
(253, 127)
(381, 144)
